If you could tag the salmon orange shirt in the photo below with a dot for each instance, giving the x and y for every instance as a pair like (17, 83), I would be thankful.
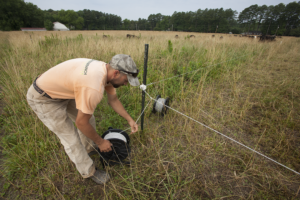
(73, 79)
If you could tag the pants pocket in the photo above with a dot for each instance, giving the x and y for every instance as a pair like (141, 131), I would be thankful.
(53, 106)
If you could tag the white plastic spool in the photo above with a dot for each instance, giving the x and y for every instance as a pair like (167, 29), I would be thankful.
(114, 135)
(160, 105)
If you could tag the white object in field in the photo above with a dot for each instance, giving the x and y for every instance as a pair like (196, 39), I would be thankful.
(59, 27)
(254, 36)
(143, 87)
(160, 104)
(114, 135)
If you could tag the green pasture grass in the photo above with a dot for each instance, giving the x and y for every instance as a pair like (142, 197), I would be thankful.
(246, 89)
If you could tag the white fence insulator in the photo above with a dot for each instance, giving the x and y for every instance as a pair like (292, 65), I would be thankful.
(143, 87)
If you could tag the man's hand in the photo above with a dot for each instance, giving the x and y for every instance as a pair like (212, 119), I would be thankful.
(118, 107)
(134, 126)
(83, 124)
(105, 146)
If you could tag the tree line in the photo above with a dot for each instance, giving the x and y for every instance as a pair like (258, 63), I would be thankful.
(280, 19)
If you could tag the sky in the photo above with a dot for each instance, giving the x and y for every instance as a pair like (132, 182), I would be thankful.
(134, 9)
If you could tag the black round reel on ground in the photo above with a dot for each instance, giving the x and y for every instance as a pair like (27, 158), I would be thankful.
(164, 109)
(120, 149)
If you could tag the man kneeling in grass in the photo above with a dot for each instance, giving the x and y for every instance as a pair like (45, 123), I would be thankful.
(70, 92)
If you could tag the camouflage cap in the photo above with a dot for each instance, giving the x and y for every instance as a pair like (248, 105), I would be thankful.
(123, 63)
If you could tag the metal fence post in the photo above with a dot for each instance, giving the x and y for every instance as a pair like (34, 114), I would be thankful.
(144, 82)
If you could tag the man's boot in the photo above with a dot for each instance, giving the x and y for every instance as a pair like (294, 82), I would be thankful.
(100, 177)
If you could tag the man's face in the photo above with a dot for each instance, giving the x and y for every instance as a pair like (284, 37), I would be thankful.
(120, 80)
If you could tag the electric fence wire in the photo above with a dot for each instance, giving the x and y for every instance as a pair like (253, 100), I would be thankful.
(194, 70)
(139, 116)
(226, 136)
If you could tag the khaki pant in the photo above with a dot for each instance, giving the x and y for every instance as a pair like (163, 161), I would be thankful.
(58, 115)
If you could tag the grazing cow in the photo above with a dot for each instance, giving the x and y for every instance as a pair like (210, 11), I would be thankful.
(221, 37)
(192, 36)
(213, 36)
(176, 36)
(130, 36)
(235, 35)
(104, 36)
(267, 38)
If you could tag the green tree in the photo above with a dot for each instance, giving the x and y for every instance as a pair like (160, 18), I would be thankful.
(143, 24)
(292, 16)
(164, 24)
(11, 14)
(71, 17)
(48, 25)
(15, 14)
(261, 12)
(126, 23)
(153, 19)
(79, 23)
(32, 16)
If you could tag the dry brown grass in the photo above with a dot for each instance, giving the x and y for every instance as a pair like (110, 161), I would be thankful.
(252, 96)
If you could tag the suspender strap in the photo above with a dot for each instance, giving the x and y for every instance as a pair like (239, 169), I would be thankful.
(86, 66)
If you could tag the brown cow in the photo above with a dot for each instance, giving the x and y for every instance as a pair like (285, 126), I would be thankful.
(267, 38)
(221, 37)
(213, 36)
(192, 36)
(130, 36)
(104, 36)
(176, 36)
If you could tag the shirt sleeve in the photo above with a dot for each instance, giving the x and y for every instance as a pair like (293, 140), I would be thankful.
(110, 89)
(87, 99)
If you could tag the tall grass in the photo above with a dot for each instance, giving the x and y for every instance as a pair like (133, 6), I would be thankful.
(243, 88)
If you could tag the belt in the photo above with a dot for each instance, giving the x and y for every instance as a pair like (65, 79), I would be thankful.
(39, 90)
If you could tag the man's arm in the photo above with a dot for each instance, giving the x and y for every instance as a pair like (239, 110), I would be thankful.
(83, 124)
(114, 102)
